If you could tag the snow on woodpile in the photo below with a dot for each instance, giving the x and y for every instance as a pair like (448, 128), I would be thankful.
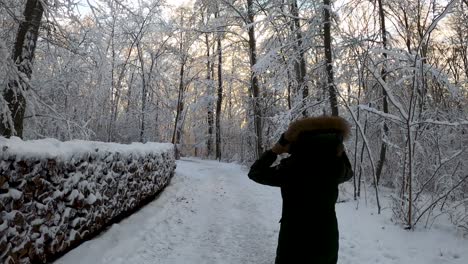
(54, 194)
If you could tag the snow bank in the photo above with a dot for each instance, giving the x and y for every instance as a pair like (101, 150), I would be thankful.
(54, 195)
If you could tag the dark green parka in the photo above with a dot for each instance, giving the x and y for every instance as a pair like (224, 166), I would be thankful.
(309, 180)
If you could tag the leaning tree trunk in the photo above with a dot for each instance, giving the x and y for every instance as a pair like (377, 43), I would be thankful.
(328, 55)
(383, 146)
(180, 108)
(23, 55)
(254, 86)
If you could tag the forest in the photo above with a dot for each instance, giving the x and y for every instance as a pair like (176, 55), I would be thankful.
(222, 79)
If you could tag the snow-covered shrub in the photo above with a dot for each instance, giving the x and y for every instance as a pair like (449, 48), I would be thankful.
(424, 135)
(54, 195)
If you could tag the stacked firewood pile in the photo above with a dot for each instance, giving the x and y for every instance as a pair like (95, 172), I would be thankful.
(50, 203)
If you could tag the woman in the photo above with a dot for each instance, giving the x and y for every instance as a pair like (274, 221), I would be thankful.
(309, 180)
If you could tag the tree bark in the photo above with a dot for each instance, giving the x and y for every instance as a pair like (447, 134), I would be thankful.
(329, 58)
(23, 55)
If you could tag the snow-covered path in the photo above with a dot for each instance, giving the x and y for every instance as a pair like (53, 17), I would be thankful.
(212, 213)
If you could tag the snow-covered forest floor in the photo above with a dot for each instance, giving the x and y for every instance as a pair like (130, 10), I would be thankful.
(212, 213)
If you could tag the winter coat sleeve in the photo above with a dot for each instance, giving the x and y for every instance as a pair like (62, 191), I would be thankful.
(262, 172)
(346, 172)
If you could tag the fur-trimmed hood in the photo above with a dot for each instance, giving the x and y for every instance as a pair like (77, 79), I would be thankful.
(322, 123)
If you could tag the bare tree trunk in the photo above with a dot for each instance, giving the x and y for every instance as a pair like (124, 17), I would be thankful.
(361, 159)
(145, 96)
(110, 127)
(329, 59)
(129, 92)
(410, 175)
(143, 93)
(300, 64)
(209, 142)
(230, 105)
(254, 86)
(407, 27)
(220, 96)
(115, 84)
(23, 55)
(289, 91)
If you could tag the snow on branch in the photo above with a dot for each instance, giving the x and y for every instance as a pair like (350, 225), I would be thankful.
(389, 92)
(434, 23)
(390, 117)
(441, 123)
